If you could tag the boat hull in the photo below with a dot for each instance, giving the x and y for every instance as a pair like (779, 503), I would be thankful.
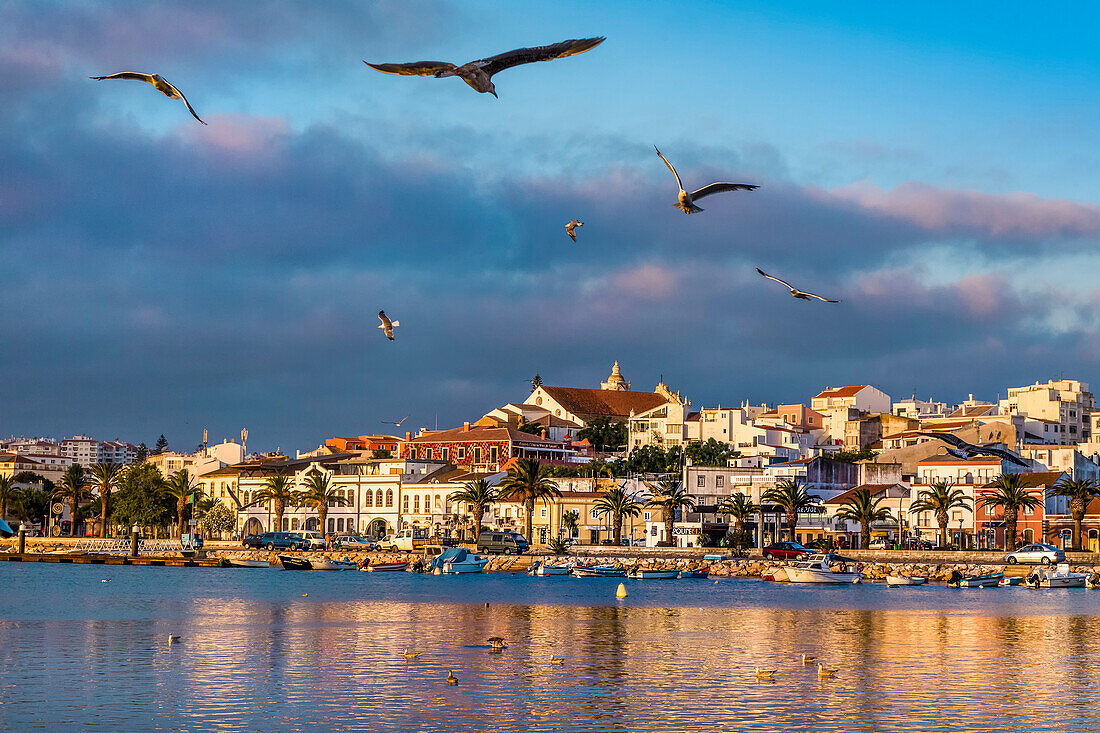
(230, 562)
(544, 570)
(653, 574)
(978, 581)
(463, 568)
(290, 562)
(827, 577)
(384, 567)
(897, 581)
(599, 572)
(323, 564)
(702, 573)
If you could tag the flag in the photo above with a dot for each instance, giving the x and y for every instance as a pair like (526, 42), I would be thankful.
(190, 498)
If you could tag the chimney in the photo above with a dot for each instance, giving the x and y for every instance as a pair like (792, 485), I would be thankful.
(408, 435)
(466, 426)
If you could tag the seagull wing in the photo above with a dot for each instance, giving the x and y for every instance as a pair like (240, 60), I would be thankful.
(189, 107)
(1006, 455)
(416, 68)
(508, 59)
(136, 75)
(670, 168)
(774, 278)
(948, 438)
(720, 187)
(825, 300)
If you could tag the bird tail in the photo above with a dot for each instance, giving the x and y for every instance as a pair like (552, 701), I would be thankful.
(395, 323)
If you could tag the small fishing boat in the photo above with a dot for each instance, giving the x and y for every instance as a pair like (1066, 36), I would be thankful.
(1060, 577)
(598, 571)
(293, 562)
(897, 581)
(1011, 580)
(542, 570)
(233, 562)
(989, 580)
(703, 572)
(651, 574)
(824, 568)
(379, 567)
(776, 573)
(457, 561)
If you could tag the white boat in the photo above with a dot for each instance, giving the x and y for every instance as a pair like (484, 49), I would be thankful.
(457, 561)
(542, 570)
(824, 568)
(1060, 577)
(233, 562)
(777, 573)
(991, 580)
(323, 563)
(895, 581)
(640, 574)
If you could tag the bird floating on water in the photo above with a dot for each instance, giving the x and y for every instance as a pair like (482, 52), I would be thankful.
(411, 655)
(823, 671)
(571, 228)
(387, 325)
(159, 83)
(557, 660)
(497, 642)
(800, 294)
(172, 639)
(451, 679)
(764, 674)
(807, 659)
(961, 449)
(478, 74)
(685, 201)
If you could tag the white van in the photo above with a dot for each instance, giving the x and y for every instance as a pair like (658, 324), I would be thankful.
(315, 540)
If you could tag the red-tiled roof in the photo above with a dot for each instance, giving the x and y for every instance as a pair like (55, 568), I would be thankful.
(851, 391)
(478, 433)
(587, 403)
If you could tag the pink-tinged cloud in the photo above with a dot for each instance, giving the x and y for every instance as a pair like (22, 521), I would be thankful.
(645, 282)
(237, 135)
(980, 297)
(1011, 215)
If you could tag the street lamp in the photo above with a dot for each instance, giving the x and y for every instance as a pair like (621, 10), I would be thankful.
(961, 539)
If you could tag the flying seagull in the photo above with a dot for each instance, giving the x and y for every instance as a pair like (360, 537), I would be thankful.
(801, 294)
(961, 449)
(571, 228)
(478, 74)
(387, 325)
(395, 423)
(686, 200)
(158, 82)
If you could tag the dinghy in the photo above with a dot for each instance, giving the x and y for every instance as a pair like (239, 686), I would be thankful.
(598, 571)
(990, 580)
(896, 581)
(378, 567)
(703, 572)
(651, 574)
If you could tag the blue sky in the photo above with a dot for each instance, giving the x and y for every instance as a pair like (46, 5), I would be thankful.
(933, 166)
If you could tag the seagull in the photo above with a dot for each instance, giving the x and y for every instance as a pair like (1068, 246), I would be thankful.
(800, 294)
(395, 423)
(557, 660)
(451, 679)
(961, 449)
(387, 325)
(807, 659)
(409, 656)
(764, 674)
(497, 642)
(159, 83)
(823, 671)
(571, 228)
(478, 73)
(172, 639)
(105, 580)
(686, 200)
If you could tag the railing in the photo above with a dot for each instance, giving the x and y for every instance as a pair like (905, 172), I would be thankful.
(122, 546)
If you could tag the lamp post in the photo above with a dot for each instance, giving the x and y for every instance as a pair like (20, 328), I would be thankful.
(962, 540)
(134, 541)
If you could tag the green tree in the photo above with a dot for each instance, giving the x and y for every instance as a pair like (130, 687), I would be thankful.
(850, 456)
(792, 497)
(742, 509)
(940, 498)
(863, 508)
(74, 491)
(8, 493)
(278, 490)
(654, 459)
(139, 499)
(183, 490)
(527, 483)
(380, 453)
(142, 453)
(670, 496)
(604, 435)
(319, 495)
(1079, 492)
(710, 453)
(32, 505)
(1007, 492)
(477, 495)
(619, 505)
(570, 520)
(161, 446)
(531, 428)
(218, 519)
(105, 477)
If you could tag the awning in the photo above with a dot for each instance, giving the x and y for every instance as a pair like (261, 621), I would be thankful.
(5, 530)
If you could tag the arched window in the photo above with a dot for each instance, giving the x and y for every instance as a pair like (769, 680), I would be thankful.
(437, 502)
(378, 498)
(368, 498)
(293, 523)
(416, 504)
(405, 503)
(389, 497)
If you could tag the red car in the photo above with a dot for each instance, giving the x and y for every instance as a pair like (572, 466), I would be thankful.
(786, 551)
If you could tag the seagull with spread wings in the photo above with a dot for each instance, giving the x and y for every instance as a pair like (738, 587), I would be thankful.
(800, 294)
(478, 74)
(686, 201)
(395, 423)
(571, 228)
(387, 325)
(158, 82)
(961, 449)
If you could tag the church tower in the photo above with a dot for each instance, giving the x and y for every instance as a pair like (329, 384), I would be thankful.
(615, 382)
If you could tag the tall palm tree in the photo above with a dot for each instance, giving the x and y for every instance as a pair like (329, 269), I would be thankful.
(477, 495)
(1079, 492)
(740, 507)
(278, 490)
(669, 495)
(73, 489)
(570, 521)
(181, 487)
(791, 496)
(940, 498)
(8, 493)
(863, 508)
(319, 496)
(618, 504)
(527, 482)
(105, 477)
(1008, 492)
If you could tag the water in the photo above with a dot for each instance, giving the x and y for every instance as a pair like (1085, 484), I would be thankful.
(675, 655)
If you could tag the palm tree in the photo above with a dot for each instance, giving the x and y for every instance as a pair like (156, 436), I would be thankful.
(105, 478)
(319, 496)
(569, 521)
(618, 504)
(791, 496)
(940, 498)
(669, 495)
(1079, 492)
(740, 507)
(477, 495)
(527, 482)
(1008, 492)
(863, 508)
(73, 490)
(8, 493)
(181, 488)
(277, 489)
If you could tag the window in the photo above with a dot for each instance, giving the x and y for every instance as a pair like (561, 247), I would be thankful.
(719, 481)
(331, 525)
(389, 496)
(595, 513)
(461, 452)
(645, 516)
(416, 504)
(294, 524)
(493, 454)
(405, 503)
(438, 502)
(477, 454)
(446, 454)
(378, 497)
(542, 513)
(368, 498)
(701, 481)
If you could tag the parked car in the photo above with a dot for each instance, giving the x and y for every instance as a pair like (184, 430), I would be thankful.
(283, 541)
(313, 540)
(786, 551)
(915, 543)
(253, 540)
(1036, 554)
(354, 542)
(502, 543)
(880, 544)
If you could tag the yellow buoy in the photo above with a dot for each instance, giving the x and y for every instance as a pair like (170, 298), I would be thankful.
(621, 592)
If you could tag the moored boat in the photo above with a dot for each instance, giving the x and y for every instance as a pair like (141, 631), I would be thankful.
(540, 569)
(324, 563)
(1060, 577)
(989, 580)
(824, 568)
(777, 573)
(598, 571)
(379, 567)
(703, 572)
(897, 581)
(1012, 580)
(233, 562)
(643, 574)
(294, 562)
(457, 561)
